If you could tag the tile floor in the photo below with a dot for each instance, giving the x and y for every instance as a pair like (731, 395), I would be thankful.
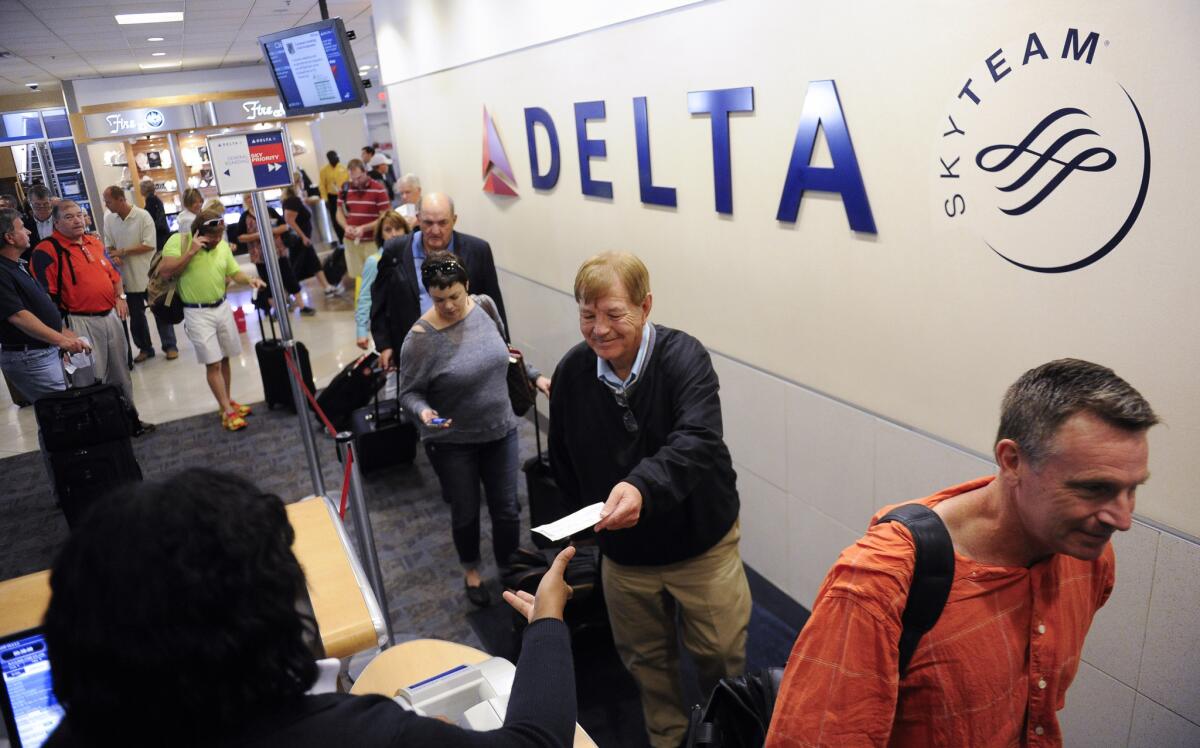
(167, 390)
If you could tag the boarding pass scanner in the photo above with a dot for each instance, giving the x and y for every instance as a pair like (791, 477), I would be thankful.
(470, 696)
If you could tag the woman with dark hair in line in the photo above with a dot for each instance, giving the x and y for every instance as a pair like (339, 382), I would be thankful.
(299, 218)
(454, 378)
(173, 622)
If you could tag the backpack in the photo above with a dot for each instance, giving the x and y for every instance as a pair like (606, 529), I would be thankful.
(61, 255)
(162, 294)
(739, 711)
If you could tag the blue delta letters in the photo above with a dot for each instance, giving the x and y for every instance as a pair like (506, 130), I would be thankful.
(822, 111)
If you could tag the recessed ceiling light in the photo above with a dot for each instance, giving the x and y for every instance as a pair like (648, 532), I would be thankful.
(154, 38)
(158, 54)
(126, 19)
(156, 65)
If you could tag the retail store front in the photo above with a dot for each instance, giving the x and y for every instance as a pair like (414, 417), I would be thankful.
(164, 141)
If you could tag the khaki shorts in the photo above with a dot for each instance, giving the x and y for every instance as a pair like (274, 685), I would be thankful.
(213, 333)
(356, 256)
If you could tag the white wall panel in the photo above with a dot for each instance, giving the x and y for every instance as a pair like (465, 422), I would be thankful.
(1114, 643)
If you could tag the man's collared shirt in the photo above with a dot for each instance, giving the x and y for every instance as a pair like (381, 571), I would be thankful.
(993, 671)
(330, 180)
(45, 228)
(20, 291)
(137, 227)
(604, 370)
(203, 280)
(89, 279)
(364, 205)
(418, 250)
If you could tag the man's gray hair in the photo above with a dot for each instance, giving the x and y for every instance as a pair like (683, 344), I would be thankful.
(1046, 396)
(8, 222)
(410, 180)
(60, 206)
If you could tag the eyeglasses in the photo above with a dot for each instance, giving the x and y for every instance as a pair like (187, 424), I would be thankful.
(631, 424)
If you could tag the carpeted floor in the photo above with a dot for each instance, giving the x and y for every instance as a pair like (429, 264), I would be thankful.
(411, 526)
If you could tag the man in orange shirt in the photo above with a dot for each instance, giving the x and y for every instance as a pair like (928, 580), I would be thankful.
(1033, 564)
(72, 267)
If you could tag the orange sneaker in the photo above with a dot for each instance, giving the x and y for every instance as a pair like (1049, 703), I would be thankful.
(233, 422)
(241, 410)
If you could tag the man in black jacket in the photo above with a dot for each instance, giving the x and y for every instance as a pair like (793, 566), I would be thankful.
(635, 422)
(398, 297)
(39, 220)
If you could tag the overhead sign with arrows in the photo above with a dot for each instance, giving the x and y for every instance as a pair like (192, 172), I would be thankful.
(249, 162)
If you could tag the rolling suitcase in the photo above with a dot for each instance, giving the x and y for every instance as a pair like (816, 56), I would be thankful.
(546, 502)
(82, 417)
(85, 474)
(273, 368)
(350, 389)
(382, 435)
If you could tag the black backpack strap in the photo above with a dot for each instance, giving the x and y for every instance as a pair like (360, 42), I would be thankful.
(933, 573)
(61, 255)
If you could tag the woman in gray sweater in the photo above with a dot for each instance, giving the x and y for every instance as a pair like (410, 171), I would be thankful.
(454, 365)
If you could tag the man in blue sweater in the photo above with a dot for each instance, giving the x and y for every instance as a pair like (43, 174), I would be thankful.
(635, 422)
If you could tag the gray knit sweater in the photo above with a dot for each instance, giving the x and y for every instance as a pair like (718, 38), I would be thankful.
(461, 372)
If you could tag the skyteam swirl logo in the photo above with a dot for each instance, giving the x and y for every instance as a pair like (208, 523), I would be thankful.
(1044, 156)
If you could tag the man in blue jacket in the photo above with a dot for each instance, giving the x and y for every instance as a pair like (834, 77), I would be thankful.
(635, 422)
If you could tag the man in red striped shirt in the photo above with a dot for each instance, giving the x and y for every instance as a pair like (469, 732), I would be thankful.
(360, 204)
(1033, 564)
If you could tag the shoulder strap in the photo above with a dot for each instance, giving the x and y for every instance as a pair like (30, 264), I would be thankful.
(61, 254)
(489, 306)
(933, 573)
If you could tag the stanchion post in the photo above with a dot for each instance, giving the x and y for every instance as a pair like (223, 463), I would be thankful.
(279, 294)
(362, 527)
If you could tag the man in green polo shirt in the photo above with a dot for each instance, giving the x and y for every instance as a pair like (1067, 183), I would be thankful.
(203, 261)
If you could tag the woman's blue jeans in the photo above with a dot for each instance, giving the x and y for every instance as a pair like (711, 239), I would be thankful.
(461, 468)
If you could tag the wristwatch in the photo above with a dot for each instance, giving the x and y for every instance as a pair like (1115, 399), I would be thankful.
(121, 297)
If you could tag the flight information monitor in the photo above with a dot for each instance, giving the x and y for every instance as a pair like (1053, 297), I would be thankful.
(314, 68)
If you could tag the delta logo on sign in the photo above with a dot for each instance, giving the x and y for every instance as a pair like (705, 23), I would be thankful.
(821, 113)
(268, 159)
(1043, 155)
(495, 162)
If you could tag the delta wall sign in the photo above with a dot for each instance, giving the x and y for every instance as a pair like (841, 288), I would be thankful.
(1040, 146)
(822, 108)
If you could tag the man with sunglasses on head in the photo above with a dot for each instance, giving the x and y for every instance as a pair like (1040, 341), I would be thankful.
(202, 260)
(635, 422)
(399, 296)
(73, 268)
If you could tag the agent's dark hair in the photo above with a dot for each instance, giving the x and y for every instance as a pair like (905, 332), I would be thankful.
(39, 192)
(1046, 396)
(173, 611)
(369, 149)
(332, 158)
(442, 269)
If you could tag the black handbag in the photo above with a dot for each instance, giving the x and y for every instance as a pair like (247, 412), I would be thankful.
(521, 391)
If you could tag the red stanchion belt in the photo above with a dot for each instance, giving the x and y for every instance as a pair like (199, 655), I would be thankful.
(287, 355)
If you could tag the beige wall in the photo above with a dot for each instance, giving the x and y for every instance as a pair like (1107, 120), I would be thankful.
(920, 323)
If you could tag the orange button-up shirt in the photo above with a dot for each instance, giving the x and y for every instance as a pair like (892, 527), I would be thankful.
(89, 279)
(993, 671)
